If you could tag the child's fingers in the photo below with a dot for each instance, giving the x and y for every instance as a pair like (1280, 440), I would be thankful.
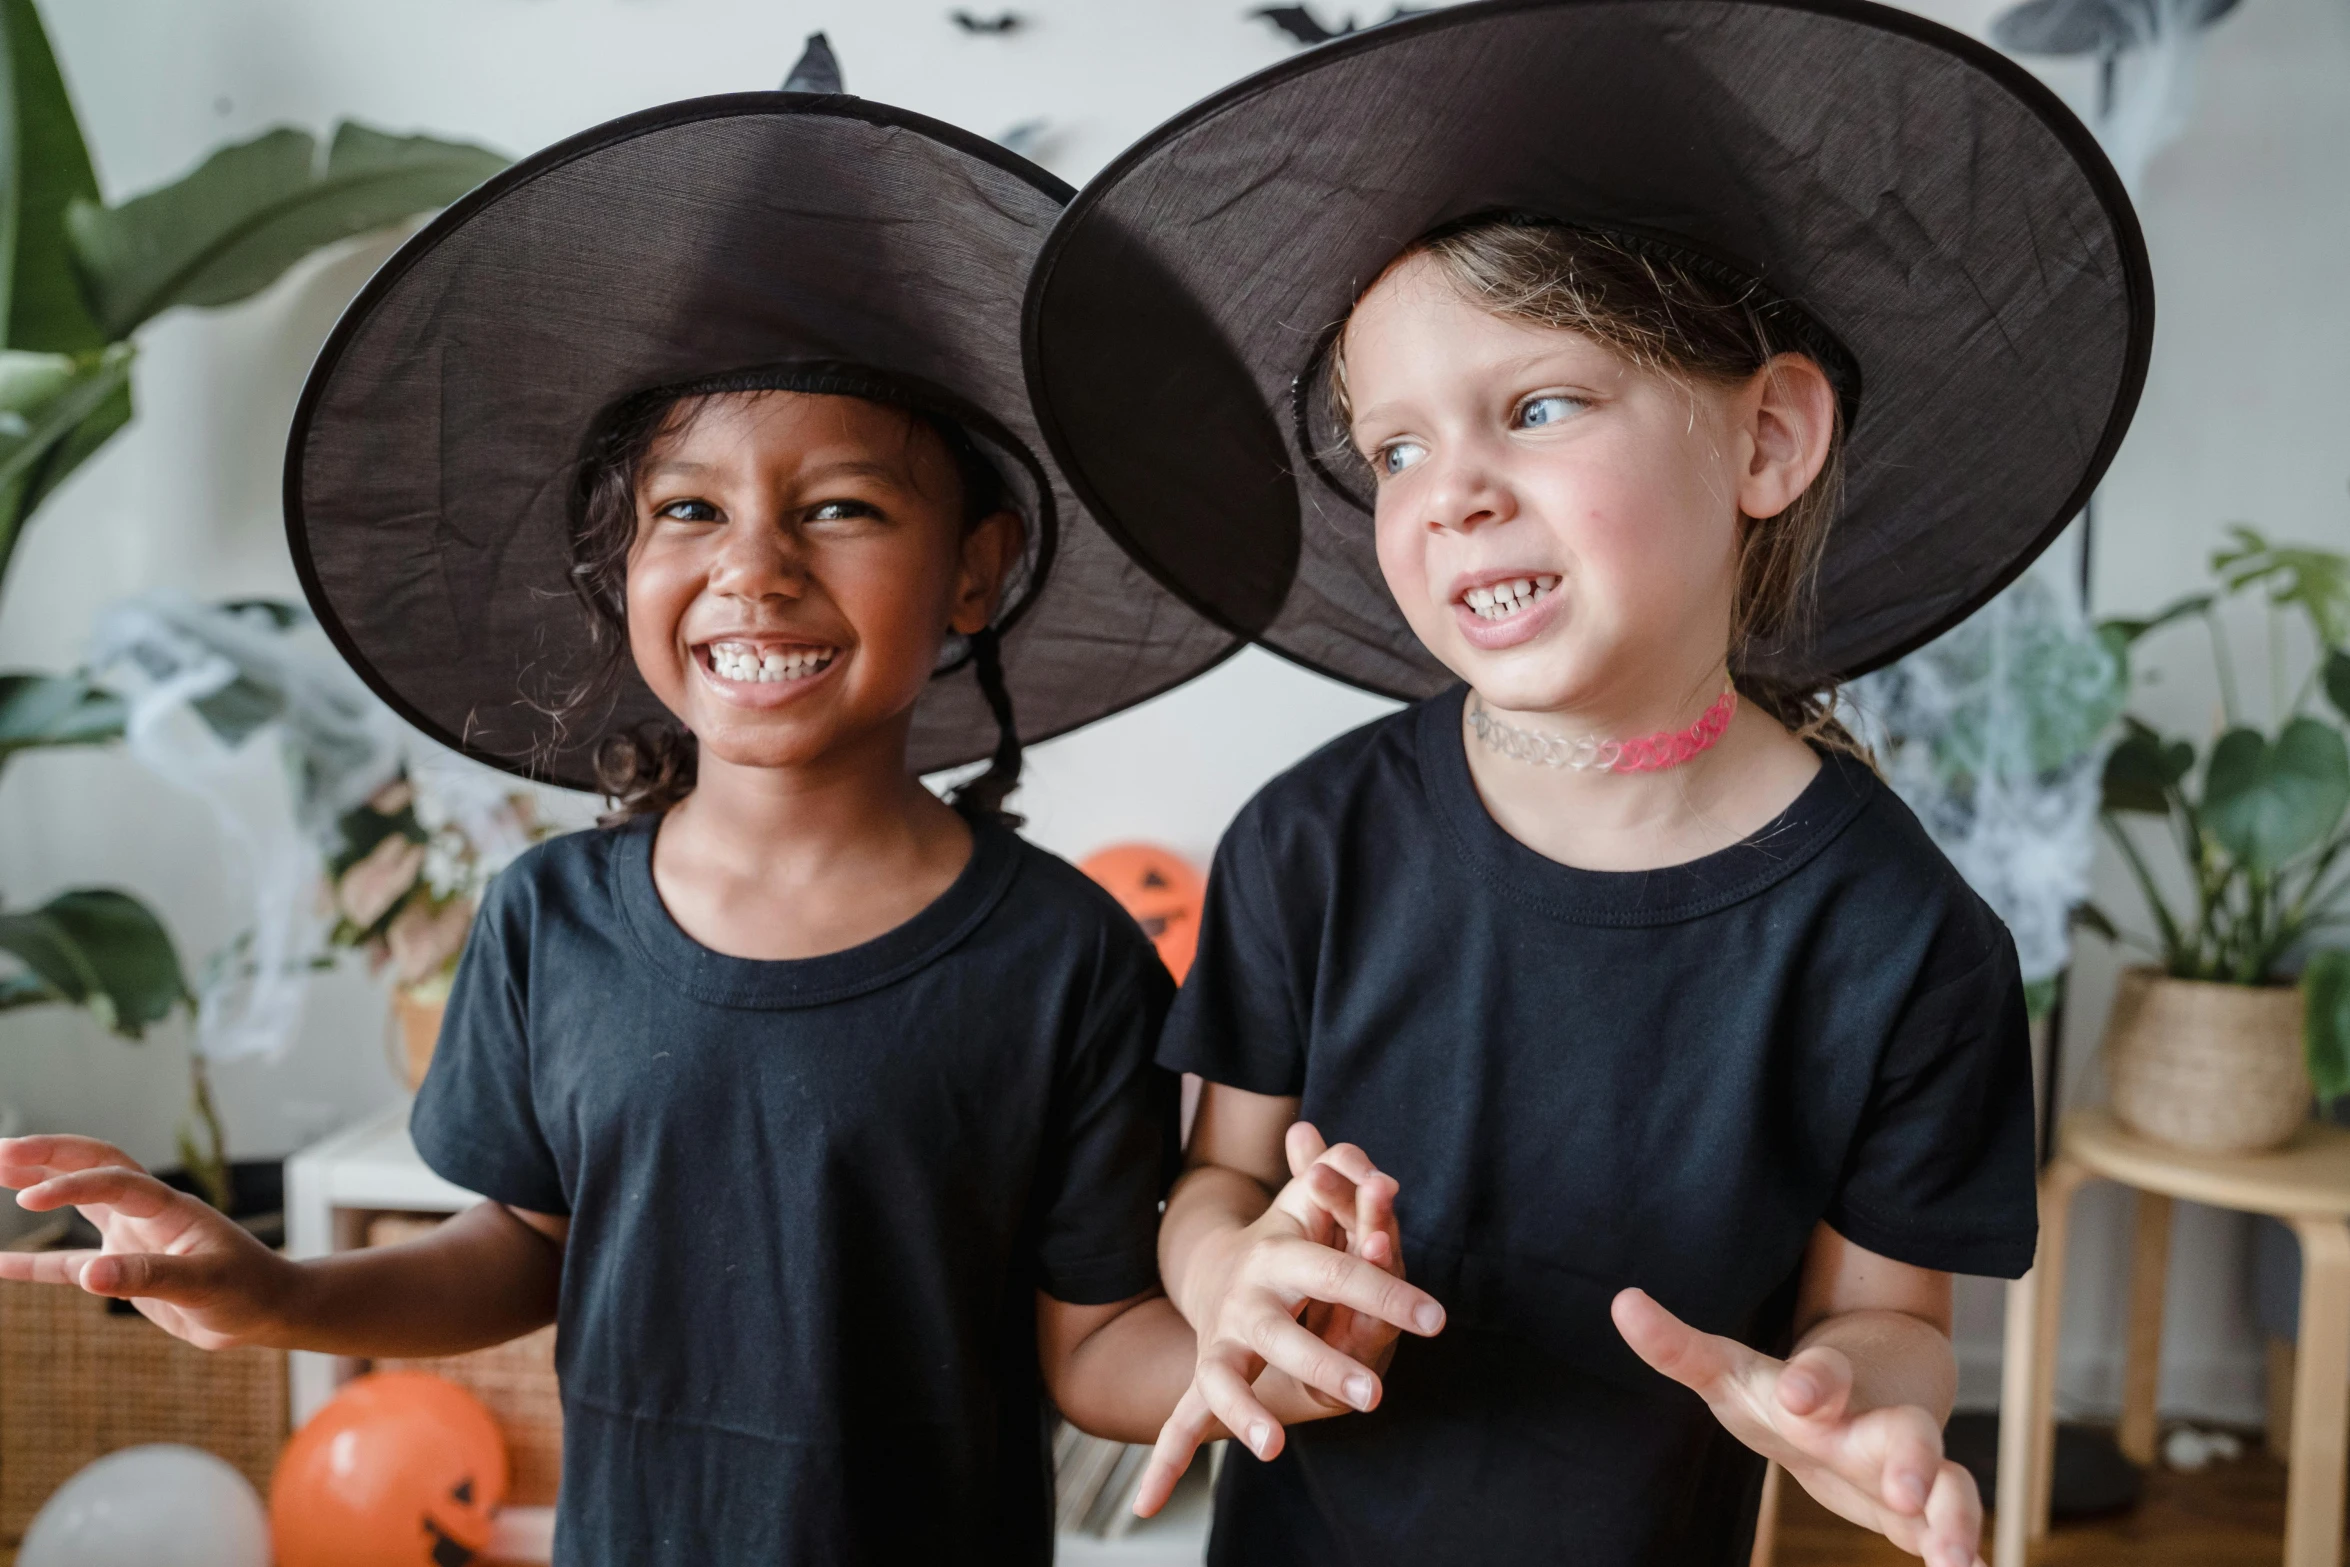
(1303, 1144)
(1300, 1271)
(1954, 1519)
(1816, 1384)
(1282, 1344)
(26, 1161)
(1378, 1239)
(1698, 1361)
(184, 1281)
(43, 1267)
(1223, 1378)
(132, 1193)
(1191, 1424)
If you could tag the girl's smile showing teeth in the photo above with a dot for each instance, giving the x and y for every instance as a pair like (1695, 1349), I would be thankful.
(749, 663)
(1500, 600)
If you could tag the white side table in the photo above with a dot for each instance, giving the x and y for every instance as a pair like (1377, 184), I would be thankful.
(335, 1186)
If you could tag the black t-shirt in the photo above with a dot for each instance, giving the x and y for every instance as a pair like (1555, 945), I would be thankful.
(1587, 1080)
(810, 1201)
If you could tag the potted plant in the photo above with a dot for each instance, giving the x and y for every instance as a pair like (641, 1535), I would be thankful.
(405, 879)
(2219, 1042)
(79, 278)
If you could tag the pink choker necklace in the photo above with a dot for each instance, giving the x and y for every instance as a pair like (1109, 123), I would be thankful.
(1650, 754)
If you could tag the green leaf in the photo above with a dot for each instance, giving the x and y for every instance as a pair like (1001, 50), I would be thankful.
(2089, 917)
(2315, 581)
(2141, 771)
(2338, 681)
(51, 710)
(99, 949)
(2267, 803)
(2325, 994)
(2120, 632)
(97, 427)
(35, 435)
(44, 308)
(232, 226)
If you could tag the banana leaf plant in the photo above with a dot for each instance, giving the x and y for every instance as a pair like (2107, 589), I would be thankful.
(2260, 822)
(79, 277)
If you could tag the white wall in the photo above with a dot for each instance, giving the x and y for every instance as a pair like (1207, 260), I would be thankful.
(2247, 215)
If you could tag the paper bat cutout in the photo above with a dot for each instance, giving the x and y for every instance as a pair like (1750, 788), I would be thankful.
(818, 69)
(1302, 26)
(1000, 23)
(2099, 27)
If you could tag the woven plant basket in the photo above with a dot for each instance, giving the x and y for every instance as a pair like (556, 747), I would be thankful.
(78, 1382)
(515, 1381)
(2215, 1068)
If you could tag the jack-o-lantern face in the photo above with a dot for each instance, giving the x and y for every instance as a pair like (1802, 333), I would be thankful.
(1161, 890)
(400, 1469)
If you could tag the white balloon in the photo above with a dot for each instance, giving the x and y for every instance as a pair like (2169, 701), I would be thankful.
(156, 1506)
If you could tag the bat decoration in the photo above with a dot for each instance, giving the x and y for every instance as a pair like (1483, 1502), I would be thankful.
(1035, 140)
(2100, 27)
(1303, 27)
(1000, 23)
(818, 69)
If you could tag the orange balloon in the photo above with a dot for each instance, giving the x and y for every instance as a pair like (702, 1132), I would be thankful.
(1161, 889)
(400, 1469)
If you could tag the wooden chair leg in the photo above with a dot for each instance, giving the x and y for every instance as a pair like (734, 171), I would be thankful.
(2027, 1397)
(2142, 1368)
(1766, 1523)
(2321, 1398)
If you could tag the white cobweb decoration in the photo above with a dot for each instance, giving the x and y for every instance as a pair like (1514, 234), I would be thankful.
(1993, 735)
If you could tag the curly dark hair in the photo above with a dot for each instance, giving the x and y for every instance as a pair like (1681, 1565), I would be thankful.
(646, 769)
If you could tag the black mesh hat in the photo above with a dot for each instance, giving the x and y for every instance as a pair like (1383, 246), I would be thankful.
(818, 242)
(1914, 208)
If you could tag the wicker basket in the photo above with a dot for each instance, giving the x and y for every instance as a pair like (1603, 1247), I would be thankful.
(78, 1381)
(2215, 1068)
(516, 1381)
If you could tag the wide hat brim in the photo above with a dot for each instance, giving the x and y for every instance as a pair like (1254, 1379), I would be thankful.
(1933, 206)
(430, 473)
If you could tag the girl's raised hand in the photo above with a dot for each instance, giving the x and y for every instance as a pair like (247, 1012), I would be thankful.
(1882, 1468)
(1309, 1298)
(185, 1265)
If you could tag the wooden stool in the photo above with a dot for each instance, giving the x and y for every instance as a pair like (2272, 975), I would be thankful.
(2306, 1184)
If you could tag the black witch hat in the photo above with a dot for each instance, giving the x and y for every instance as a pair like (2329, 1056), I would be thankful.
(792, 239)
(1944, 231)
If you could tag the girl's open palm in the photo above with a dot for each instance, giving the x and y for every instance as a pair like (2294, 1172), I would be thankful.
(1881, 1468)
(186, 1266)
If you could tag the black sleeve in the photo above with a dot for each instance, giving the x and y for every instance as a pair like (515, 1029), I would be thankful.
(474, 1121)
(1941, 1173)
(1112, 1150)
(1238, 1020)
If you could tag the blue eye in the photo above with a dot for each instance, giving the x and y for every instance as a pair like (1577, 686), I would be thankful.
(1395, 457)
(1548, 409)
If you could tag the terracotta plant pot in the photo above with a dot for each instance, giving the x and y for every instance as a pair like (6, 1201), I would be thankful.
(417, 1021)
(2216, 1068)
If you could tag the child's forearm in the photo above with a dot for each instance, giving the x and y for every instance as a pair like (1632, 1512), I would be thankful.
(482, 1278)
(1896, 1359)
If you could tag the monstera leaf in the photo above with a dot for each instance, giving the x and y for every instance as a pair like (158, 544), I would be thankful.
(2267, 802)
(2142, 771)
(94, 948)
(248, 212)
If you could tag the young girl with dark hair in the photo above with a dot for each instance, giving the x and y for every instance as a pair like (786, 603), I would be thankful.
(1686, 359)
(818, 1112)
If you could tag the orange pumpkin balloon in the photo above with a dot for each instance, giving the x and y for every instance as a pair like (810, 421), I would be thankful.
(400, 1469)
(1162, 890)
